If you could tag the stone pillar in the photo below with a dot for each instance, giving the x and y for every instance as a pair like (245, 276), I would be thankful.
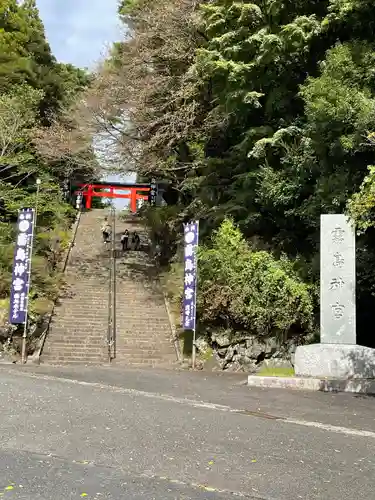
(337, 356)
(337, 280)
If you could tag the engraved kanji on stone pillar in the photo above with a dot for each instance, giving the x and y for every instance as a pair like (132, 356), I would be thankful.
(337, 280)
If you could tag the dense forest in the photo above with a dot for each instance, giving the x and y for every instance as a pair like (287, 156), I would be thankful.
(259, 116)
(35, 91)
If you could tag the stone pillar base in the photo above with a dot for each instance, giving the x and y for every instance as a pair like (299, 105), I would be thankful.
(335, 361)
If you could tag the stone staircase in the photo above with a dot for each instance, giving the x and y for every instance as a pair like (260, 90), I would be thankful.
(78, 330)
(143, 328)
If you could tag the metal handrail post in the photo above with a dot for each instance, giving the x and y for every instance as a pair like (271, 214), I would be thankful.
(114, 284)
(110, 313)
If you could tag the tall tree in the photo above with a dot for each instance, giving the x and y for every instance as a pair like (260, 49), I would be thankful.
(34, 92)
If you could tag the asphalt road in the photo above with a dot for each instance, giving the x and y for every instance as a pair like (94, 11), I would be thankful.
(44, 477)
(109, 434)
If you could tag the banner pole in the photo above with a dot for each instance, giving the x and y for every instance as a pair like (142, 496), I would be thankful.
(194, 350)
(24, 335)
(24, 338)
(194, 353)
(189, 317)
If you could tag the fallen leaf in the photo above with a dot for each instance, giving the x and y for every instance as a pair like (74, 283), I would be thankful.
(253, 461)
(211, 462)
(8, 488)
(83, 494)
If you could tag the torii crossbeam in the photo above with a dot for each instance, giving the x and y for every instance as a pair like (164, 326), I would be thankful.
(133, 192)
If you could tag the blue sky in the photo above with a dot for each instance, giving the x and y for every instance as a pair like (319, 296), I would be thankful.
(80, 31)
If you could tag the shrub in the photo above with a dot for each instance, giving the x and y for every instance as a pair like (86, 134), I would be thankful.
(250, 291)
(163, 230)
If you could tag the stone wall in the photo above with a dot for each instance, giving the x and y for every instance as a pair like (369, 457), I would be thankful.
(248, 353)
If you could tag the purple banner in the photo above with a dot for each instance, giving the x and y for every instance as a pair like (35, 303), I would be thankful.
(191, 237)
(19, 291)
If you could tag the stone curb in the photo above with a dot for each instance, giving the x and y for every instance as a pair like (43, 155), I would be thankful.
(359, 386)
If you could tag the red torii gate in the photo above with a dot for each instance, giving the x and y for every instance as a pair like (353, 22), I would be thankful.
(114, 190)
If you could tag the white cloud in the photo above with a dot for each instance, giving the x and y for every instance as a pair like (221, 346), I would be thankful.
(80, 31)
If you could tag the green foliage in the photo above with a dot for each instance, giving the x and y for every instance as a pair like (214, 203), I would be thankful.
(275, 371)
(127, 6)
(361, 206)
(250, 291)
(262, 111)
(52, 230)
(163, 230)
(34, 88)
(18, 113)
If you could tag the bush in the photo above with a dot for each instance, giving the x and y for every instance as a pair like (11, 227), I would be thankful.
(163, 230)
(250, 291)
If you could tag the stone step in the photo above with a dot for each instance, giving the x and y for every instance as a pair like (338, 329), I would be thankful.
(78, 340)
(67, 317)
(71, 348)
(128, 321)
(79, 345)
(80, 362)
(76, 347)
(89, 297)
(79, 357)
(139, 344)
(140, 354)
(79, 326)
(142, 347)
(104, 360)
(72, 336)
(138, 359)
(158, 335)
(162, 349)
(79, 311)
(53, 350)
(72, 333)
(75, 328)
(143, 362)
(91, 302)
(121, 345)
(91, 353)
(97, 312)
(76, 352)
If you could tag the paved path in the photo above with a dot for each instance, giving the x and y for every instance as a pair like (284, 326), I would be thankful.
(103, 433)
